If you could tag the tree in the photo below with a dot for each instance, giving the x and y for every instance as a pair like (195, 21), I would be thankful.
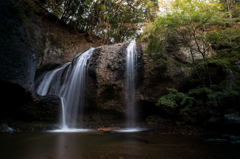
(189, 23)
(114, 20)
(230, 6)
(198, 26)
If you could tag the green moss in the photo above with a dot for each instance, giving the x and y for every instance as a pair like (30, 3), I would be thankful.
(119, 82)
(38, 124)
(150, 123)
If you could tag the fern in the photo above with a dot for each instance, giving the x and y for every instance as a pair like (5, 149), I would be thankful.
(199, 91)
(175, 99)
(217, 92)
(183, 101)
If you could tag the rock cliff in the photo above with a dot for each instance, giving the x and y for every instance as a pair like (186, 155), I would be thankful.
(31, 44)
(106, 91)
(31, 47)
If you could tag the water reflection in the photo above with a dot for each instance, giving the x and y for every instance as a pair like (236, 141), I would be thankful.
(61, 147)
(130, 130)
(96, 144)
(66, 130)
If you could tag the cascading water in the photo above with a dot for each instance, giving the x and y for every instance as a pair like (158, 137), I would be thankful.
(131, 59)
(131, 62)
(64, 126)
(68, 82)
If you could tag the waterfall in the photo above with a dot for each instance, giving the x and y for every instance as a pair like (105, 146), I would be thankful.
(68, 82)
(131, 62)
(64, 126)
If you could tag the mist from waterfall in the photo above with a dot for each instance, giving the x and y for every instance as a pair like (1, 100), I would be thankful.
(131, 62)
(68, 82)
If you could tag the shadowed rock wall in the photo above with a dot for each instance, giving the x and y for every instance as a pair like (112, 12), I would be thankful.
(30, 45)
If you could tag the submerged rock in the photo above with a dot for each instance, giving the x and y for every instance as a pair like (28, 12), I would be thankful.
(232, 117)
(109, 129)
(226, 124)
(3, 126)
(11, 130)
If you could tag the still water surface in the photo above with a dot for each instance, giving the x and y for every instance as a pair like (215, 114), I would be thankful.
(99, 145)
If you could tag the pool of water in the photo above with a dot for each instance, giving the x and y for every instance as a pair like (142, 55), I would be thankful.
(98, 145)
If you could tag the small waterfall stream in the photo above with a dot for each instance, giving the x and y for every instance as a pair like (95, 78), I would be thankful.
(68, 82)
(131, 62)
(64, 126)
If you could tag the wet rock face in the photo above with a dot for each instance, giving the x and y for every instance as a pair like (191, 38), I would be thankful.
(18, 61)
(93, 62)
(45, 109)
(106, 91)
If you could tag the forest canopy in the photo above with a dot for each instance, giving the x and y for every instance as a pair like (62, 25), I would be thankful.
(111, 20)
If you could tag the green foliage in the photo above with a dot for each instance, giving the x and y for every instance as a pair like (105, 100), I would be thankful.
(228, 38)
(187, 25)
(226, 44)
(187, 21)
(114, 20)
(150, 123)
(38, 124)
(176, 99)
(119, 82)
(236, 11)
(203, 27)
(200, 91)
(219, 92)
(224, 90)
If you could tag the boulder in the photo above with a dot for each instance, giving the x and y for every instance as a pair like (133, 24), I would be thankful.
(231, 123)
(213, 122)
(228, 124)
